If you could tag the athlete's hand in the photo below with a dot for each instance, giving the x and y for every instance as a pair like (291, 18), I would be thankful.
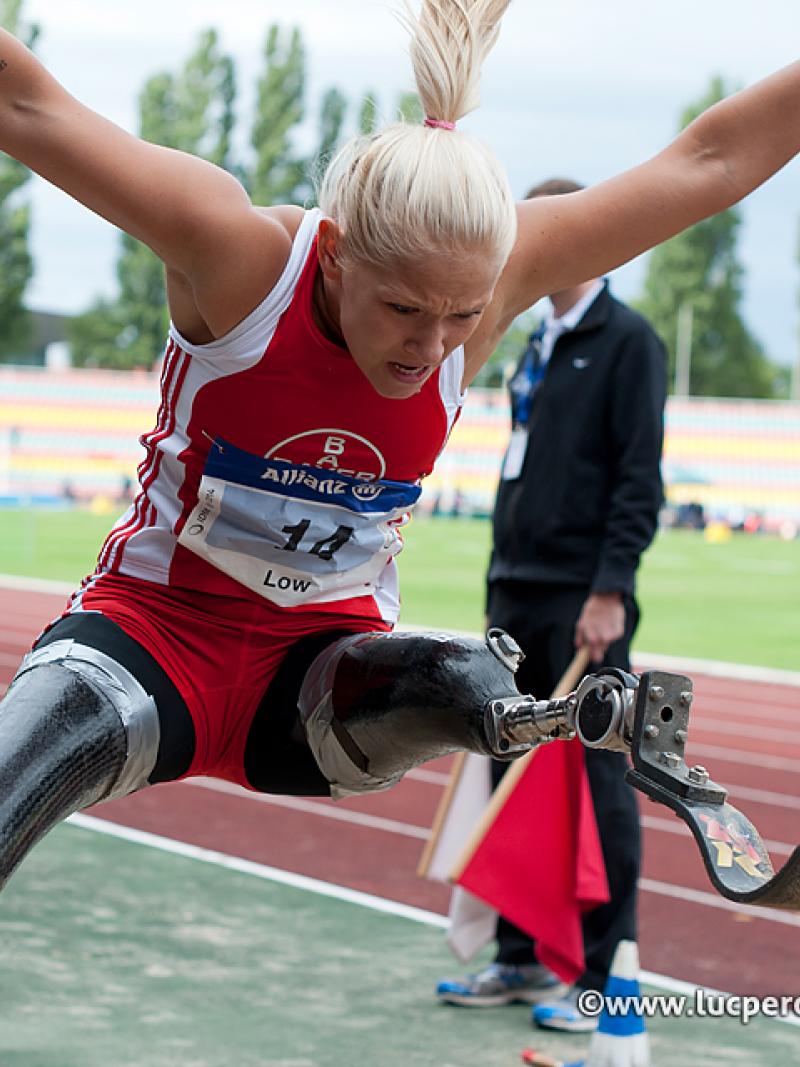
(601, 622)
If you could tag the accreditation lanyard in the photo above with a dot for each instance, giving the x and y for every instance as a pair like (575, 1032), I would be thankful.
(523, 388)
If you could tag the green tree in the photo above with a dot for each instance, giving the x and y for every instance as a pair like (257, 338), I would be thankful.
(331, 121)
(495, 372)
(192, 111)
(279, 175)
(332, 112)
(201, 105)
(693, 288)
(16, 264)
(410, 108)
(368, 114)
(97, 338)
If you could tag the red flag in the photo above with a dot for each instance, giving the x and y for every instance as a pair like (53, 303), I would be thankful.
(540, 863)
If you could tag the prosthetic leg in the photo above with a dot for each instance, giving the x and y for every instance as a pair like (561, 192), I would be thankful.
(375, 705)
(75, 728)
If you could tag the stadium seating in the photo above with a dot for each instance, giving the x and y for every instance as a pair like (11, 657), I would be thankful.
(74, 435)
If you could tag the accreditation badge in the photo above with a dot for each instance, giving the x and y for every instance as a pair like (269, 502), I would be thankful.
(515, 454)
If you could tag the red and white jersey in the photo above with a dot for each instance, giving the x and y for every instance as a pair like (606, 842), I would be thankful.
(275, 470)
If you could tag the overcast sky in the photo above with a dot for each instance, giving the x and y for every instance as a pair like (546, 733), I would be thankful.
(575, 87)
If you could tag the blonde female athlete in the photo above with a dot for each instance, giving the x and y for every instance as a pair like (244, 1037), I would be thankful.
(238, 623)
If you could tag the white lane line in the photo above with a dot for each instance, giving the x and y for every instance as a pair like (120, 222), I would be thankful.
(643, 660)
(419, 774)
(23, 637)
(741, 792)
(337, 892)
(36, 585)
(258, 870)
(709, 693)
(312, 807)
(774, 718)
(751, 711)
(715, 669)
(765, 796)
(420, 833)
(726, 755)
(722, 726)
(748, 759)
(711, 900)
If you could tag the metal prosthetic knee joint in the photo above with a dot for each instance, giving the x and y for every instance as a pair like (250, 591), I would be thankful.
(600, 712)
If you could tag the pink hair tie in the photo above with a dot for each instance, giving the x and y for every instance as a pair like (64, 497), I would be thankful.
(439, 124)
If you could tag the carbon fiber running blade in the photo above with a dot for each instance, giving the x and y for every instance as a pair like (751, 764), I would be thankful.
(734, 854)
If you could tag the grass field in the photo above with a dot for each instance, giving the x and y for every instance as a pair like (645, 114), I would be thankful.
(737, 601)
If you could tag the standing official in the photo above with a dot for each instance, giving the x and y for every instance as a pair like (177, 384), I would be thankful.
(578, 503)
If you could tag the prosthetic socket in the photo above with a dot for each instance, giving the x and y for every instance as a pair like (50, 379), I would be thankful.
(375, 705)
(75, 728)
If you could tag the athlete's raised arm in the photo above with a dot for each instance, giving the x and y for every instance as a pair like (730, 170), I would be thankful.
(197, 218)
(716, 161)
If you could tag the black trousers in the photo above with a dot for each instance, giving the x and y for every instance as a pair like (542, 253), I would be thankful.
(542, 619)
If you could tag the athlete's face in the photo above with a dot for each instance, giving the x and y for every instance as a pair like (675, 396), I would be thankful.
(401, 323)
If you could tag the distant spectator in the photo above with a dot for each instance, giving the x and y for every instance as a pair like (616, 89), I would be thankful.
(578, 502)
(126, 490)
(753, 523)
(691, 516)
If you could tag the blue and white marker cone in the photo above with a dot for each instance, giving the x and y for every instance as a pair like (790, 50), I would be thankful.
(621, 1039)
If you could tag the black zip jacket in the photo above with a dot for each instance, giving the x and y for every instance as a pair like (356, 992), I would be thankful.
(586, 503)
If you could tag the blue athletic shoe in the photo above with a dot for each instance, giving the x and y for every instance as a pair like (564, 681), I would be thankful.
(502, 983)
(563, 1014)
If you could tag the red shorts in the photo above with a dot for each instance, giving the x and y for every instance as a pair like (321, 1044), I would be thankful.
(221, 653)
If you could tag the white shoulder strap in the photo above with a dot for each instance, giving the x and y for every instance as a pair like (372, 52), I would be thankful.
(245, 343)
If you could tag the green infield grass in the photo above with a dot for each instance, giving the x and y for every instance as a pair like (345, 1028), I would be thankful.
(737, 601)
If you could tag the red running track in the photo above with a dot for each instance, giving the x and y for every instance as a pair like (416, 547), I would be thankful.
(747, 733)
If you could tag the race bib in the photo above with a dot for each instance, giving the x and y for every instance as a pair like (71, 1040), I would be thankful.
(295, 534)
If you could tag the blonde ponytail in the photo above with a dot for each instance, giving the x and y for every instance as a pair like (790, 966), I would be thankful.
(450, 39)
(413, 190)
